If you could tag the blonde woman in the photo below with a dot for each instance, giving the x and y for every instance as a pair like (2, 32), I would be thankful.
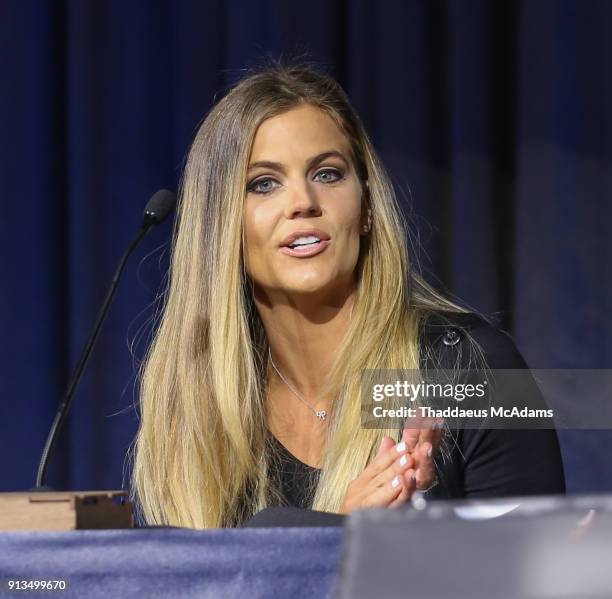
(290, 276)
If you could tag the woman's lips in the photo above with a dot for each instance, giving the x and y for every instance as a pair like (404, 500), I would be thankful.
(306, 251)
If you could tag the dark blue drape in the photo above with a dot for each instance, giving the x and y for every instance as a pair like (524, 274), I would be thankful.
(494, 118)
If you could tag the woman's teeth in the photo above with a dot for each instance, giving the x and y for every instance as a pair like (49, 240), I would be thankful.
(301, 241)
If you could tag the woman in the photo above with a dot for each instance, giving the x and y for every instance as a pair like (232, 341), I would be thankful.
(290, 276)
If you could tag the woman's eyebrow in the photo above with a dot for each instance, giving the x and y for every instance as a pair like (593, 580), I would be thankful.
(279, 166)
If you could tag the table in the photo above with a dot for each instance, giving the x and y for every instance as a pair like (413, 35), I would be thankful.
(296, 562)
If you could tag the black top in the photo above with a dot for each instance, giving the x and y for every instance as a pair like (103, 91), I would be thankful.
(484, 462)
(296, 478)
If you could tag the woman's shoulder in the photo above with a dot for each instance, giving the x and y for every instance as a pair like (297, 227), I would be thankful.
(449, 334)
(490, 462)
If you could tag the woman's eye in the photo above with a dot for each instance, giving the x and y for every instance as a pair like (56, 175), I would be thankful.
(261, 186)
(266, 185)
(335, 175)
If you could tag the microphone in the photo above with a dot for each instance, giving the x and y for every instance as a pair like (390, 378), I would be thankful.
(158, 208)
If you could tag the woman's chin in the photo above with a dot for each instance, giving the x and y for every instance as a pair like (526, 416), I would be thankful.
(305, 289)
(309, 287)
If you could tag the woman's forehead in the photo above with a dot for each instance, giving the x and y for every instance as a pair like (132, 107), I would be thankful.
(305, 130)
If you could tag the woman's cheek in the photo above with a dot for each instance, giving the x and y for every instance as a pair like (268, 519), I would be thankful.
(349, 253)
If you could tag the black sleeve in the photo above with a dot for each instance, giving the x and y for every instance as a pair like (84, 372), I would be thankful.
(504, 462)
(487, 462)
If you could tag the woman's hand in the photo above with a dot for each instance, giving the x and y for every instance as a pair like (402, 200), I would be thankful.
(387, 481)
(422, 442)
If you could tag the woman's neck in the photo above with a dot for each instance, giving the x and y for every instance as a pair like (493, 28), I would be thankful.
(304, 345)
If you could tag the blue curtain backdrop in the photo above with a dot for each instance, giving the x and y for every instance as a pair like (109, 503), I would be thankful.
(494, 118)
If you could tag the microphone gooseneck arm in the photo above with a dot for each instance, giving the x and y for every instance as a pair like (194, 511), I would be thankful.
(158, 208)
(64, 406)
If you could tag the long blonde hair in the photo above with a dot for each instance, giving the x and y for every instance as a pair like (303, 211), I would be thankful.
(201, 454)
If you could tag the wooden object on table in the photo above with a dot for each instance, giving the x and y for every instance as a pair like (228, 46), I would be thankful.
(65, 510)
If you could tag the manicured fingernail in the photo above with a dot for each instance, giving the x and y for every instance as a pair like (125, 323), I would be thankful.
(403, 460)
(401, 447)
(414, 476)
(395, 482)
(429, 451)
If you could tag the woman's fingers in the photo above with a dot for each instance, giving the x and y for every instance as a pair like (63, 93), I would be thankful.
(422, 430)
(384, 459)
(426, 468)
(408, 489)
(384, 480)
(385, 444)
(398, 466)
(411, 435)
(427, 432)
(386, 490)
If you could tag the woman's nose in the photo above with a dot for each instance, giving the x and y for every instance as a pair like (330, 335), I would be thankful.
(301, 200)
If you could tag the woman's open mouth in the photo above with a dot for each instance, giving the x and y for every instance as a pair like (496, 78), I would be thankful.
(306, 250)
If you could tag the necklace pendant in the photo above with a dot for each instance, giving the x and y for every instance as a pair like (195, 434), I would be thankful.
(321, 414)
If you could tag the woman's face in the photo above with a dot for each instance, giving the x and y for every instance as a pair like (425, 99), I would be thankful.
(300, 178)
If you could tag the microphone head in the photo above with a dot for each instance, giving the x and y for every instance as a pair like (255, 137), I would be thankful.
(159, 207)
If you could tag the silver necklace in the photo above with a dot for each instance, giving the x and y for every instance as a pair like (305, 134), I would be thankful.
(319, 413)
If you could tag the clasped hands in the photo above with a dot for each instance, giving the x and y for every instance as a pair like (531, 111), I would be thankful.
(397, 470)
